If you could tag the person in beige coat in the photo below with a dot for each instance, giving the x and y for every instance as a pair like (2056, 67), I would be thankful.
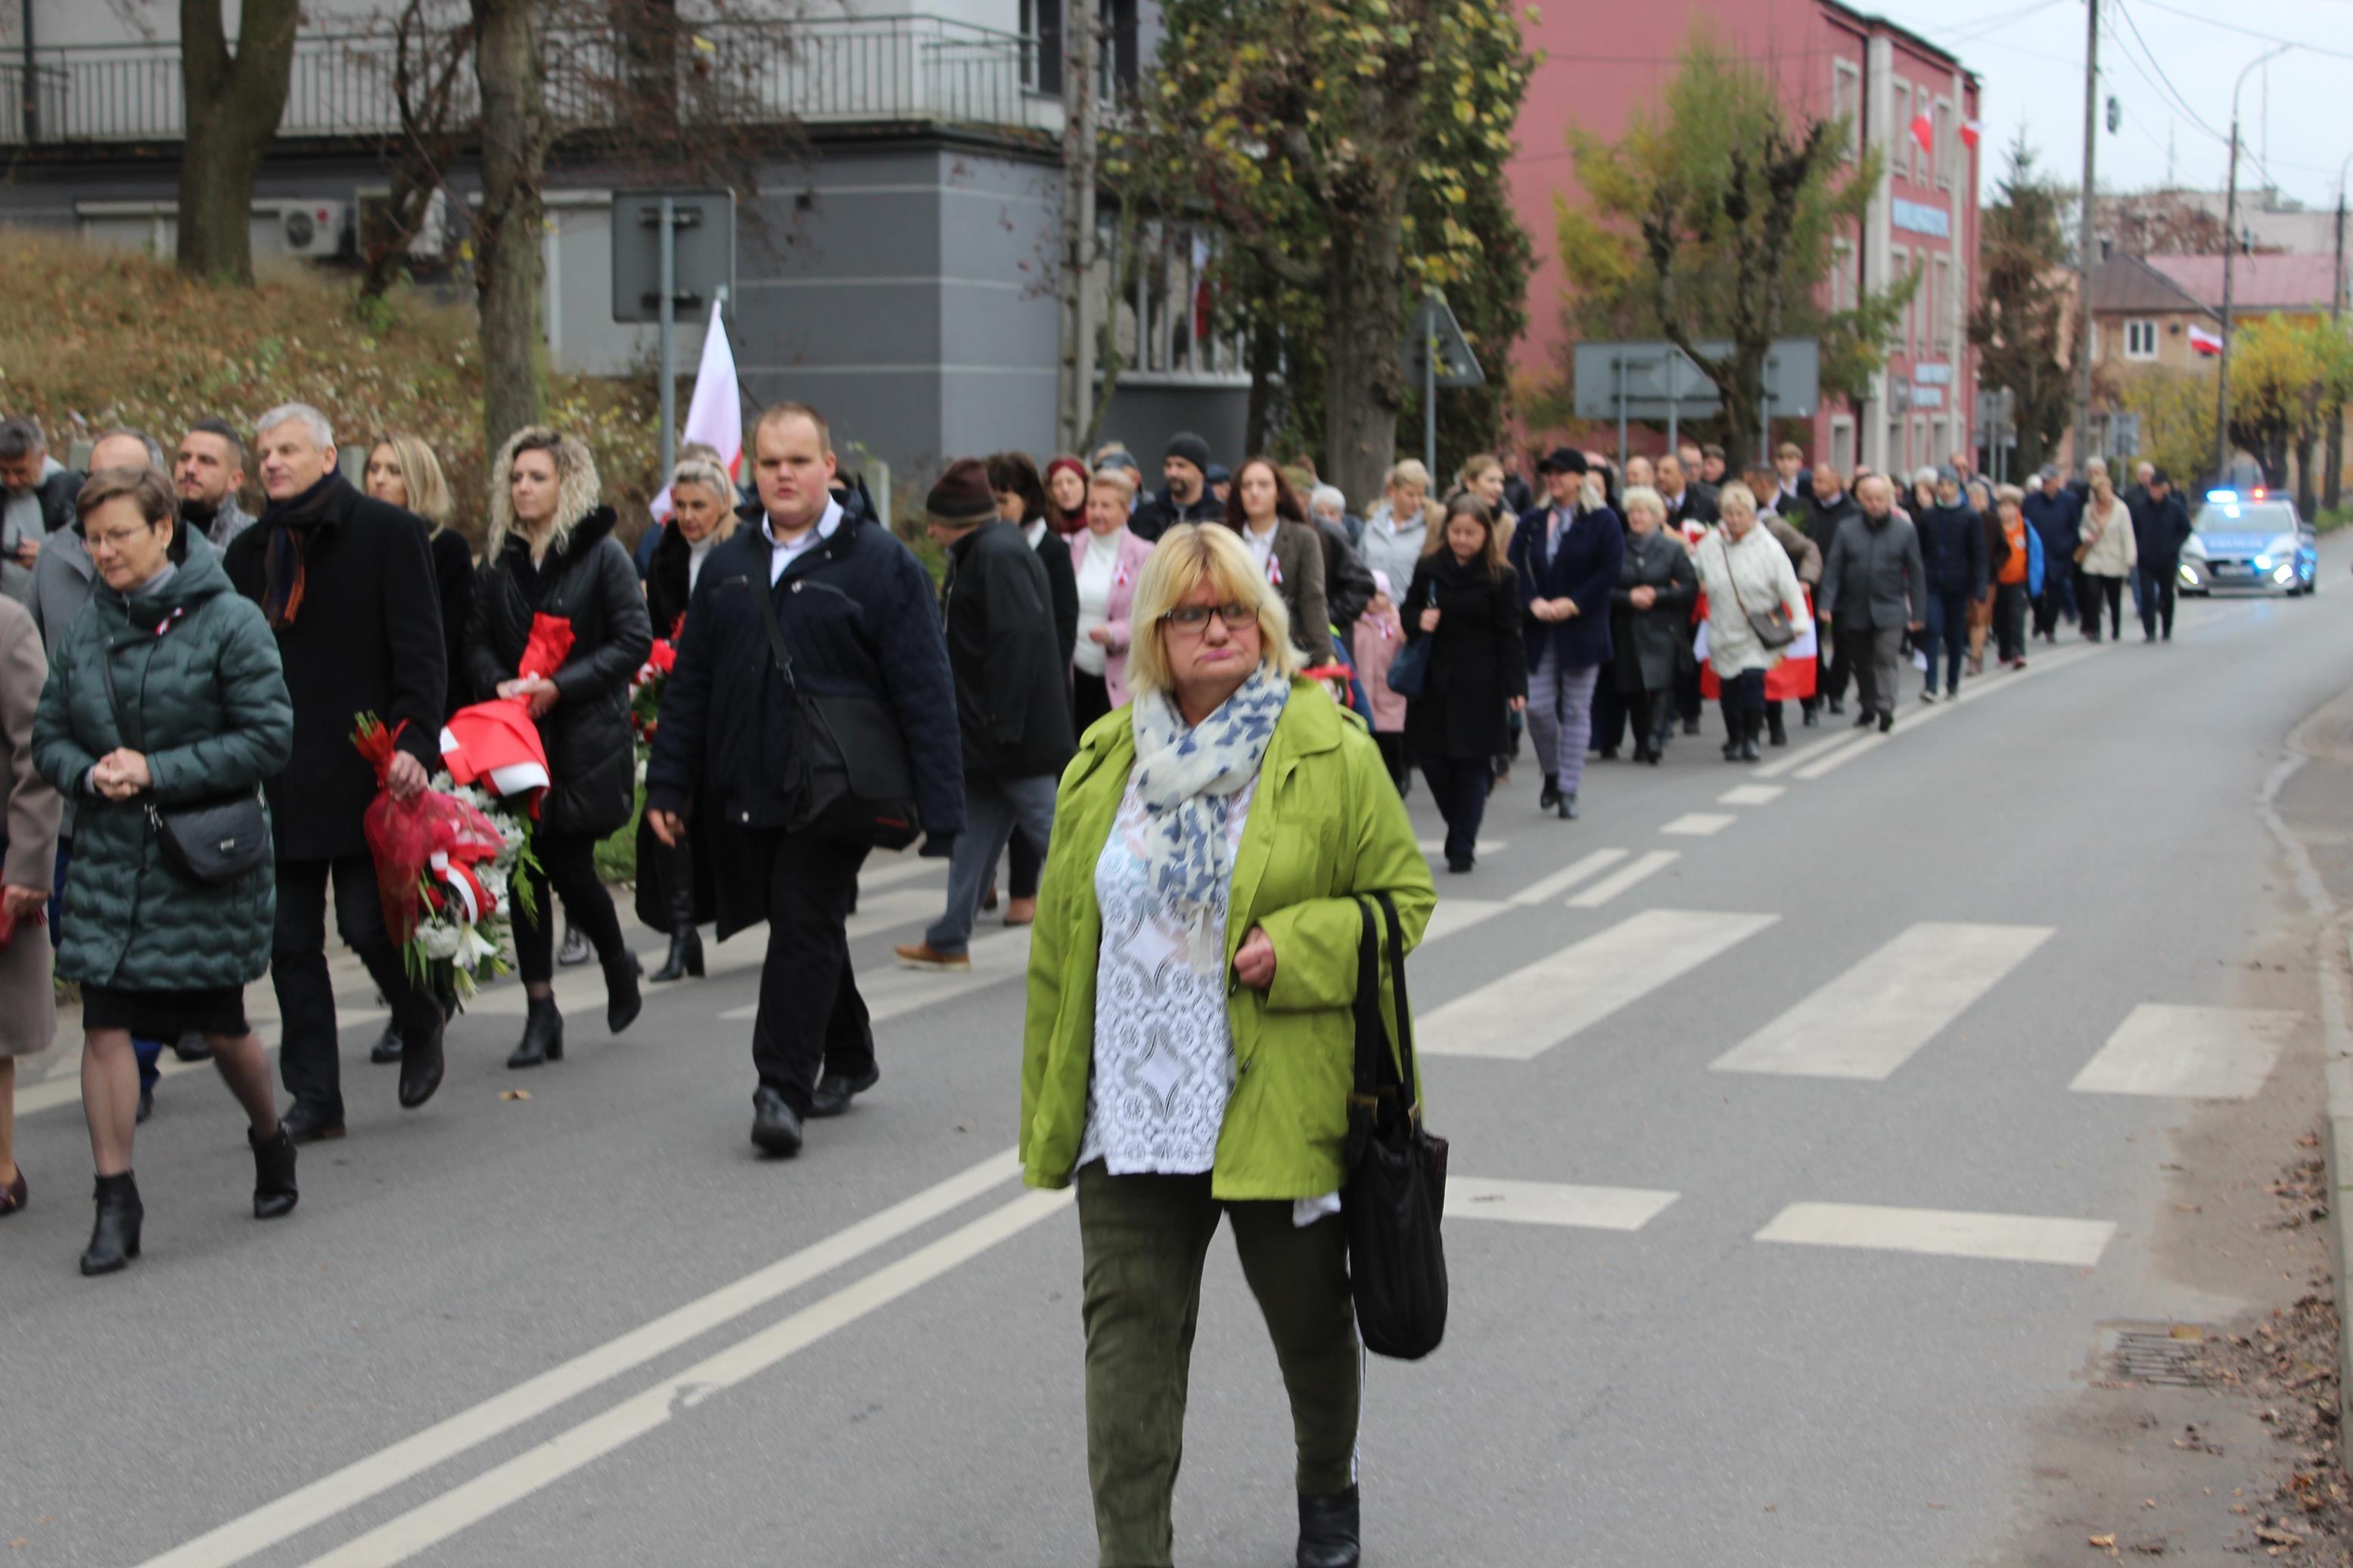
(2106, 557)
(28, 855)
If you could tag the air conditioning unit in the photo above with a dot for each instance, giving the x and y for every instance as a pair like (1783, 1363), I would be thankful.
(314, 227)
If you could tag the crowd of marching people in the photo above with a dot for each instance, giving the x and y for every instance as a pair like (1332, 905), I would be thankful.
(1120, 704)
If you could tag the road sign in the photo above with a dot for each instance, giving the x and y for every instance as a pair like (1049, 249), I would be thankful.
(1434, 343)
(702, 226)
(1656, 380)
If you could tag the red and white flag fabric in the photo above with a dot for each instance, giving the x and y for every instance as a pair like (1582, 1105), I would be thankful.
(1971, 129)
(2204, 341)
(1796, 677)
(714, 414)
(1274, 570)
(1924, 132)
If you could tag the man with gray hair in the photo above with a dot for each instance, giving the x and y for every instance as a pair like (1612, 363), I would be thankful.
(347, 583)
(36, 499)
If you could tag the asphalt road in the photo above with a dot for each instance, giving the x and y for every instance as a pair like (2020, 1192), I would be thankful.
(1789, 1196)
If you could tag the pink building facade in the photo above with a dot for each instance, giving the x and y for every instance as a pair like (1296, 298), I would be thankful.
(1599, 63)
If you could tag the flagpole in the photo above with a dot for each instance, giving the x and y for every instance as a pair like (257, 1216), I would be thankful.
(2086, 240)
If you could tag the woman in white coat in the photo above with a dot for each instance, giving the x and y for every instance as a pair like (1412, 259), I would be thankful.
(1107, 558)
(1745, 574)
(2108, 556)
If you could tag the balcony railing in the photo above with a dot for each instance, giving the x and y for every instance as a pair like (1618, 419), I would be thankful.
(896, 70)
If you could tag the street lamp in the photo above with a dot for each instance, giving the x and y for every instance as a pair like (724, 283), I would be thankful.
(2337, 281)
(2231, 249)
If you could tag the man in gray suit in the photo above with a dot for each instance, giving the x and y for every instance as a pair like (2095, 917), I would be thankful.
(1874, 590)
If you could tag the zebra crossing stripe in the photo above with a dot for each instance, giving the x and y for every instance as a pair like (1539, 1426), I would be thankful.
(1531, 1010)
(1867, 1022)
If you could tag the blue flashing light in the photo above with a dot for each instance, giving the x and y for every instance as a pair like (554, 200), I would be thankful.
(2224, 496)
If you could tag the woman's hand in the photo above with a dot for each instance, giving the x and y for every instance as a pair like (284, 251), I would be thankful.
(1519, 705)
(667, 828)
(1100, 637)
(1429, 620)
(1542, 610)
(21, 903)
(1564, 609)
(1254, 961)
(1643, 597)
(121, 774)
(536, 691)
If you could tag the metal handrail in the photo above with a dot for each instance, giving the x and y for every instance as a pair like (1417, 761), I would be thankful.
(900, 67)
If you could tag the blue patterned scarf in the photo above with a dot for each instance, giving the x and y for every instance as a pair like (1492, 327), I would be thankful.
(1186, 779)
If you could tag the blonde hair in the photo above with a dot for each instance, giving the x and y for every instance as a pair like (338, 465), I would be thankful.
(1188, 555)
(1474, 468)
(420, 472)
(1736, 491)
(1643, 498)
(706, 473)
(1409, 472)
(1111, 478)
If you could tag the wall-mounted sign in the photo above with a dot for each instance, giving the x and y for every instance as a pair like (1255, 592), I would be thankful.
(1933, 374)
(1927, 398)
(1919, 217)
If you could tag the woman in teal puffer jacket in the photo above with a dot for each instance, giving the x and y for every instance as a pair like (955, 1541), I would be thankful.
(195, 710)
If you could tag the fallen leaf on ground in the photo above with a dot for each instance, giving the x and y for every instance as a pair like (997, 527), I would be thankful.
(514, 1094)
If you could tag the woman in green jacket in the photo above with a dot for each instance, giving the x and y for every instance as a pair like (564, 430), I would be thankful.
(1190, 1047)
(165, 691)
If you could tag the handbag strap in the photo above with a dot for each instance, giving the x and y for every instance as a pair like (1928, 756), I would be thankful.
(784, 660)
(1378, 1071)
(1731, 573)
(1410, 1072)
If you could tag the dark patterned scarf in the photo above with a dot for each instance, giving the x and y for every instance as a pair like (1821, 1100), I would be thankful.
(292, 526)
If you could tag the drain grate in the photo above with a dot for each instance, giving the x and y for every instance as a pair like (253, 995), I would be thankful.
(2172, 1357)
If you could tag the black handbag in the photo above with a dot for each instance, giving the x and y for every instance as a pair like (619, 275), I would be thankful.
(211, 843)
(1396, 1195)
(851, 780)
(1409, 674)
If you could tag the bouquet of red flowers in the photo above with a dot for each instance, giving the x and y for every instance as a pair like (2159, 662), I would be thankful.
(446, 864)
(646, 690)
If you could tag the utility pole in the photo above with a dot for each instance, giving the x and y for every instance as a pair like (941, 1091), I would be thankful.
(2086, 240)
(2230, 252)
(2332, 490)
(1080, 128)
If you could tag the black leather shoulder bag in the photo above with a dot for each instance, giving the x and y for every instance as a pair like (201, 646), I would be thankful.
(211, 843)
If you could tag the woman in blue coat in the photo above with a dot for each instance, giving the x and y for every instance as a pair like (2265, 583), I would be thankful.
(1566, 558)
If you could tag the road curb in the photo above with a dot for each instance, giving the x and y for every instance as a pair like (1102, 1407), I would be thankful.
(2337, 1142)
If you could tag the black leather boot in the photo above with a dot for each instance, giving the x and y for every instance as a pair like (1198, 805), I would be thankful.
(542, 1036)
(623, 1000)
(1752, 726)
(1329, 1530)
(421, 1065)
(273, 1174)
(685, 941)
(1775, 731)
(114, 1238)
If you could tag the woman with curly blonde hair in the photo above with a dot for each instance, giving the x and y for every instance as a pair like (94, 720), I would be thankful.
(551, 551)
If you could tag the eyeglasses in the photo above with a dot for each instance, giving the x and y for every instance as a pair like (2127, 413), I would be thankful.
(116, 538)
(1194, 617)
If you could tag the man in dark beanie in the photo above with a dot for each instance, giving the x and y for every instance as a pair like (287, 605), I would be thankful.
(1187, 498)
(1012, 708)
(812, 585)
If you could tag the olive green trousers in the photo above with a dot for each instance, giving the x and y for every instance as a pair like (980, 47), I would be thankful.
(1146, 1238)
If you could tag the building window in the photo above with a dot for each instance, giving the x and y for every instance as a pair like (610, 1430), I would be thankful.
(2140, 338)
(1841, 275)
(1167, 329)
(1846, 102)
(1899, 264)
(1947, 143)
(1899, 134)
(1842, 444)
(1046, 50)
(1941, 323)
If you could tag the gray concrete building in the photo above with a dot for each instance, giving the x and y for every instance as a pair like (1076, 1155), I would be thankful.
(895, 267)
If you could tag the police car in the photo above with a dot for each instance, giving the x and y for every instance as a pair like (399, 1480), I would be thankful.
(2251, 540)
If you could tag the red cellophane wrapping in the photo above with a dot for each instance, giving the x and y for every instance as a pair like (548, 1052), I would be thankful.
(404, 836)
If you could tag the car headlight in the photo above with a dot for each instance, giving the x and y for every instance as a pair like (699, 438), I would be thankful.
(2188, 573)
(2262, 562)
(2286, 573)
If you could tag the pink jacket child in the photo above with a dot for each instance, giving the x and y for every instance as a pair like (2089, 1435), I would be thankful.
(1379, 635)
(1133, 553)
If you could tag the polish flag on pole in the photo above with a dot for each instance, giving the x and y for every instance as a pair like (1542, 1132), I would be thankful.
(2204, 341)
(1924, 132)
(1970, 131)
(714, 415)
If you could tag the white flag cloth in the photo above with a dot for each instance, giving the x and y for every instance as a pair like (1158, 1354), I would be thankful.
(714, 414)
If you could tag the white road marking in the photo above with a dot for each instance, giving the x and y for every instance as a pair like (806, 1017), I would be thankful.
(1800, 756)
(1943, 1233)
(1531, 1010)
(1867, 1023)
(1700, 824)
(379, 1472)
(1752, 794)
(2188, 1053)
(476, 1500)
(1625, 877)
(1855, 747)
(1912, 717)
(1553, 1203)
(1453, 916)
(1478, 846)
(1546, 889)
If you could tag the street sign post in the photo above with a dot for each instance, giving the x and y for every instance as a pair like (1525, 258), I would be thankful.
(1437, 354)
(672, 250)
(1656, 380)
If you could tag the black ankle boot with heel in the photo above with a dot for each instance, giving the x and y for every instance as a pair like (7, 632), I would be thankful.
(114, 1237)
(543, 1035)
(685, 943)
(623, 1000)
(274, 1194)
(1328, 1529)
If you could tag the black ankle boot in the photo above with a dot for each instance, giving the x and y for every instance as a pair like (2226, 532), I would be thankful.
(1774, 730)
(543, 1035)
(273, 1174)
(685, 943)
(1329, 1530)
(623, 1001)
(114, 1238)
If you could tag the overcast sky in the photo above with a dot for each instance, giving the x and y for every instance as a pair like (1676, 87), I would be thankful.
(2175, 71)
